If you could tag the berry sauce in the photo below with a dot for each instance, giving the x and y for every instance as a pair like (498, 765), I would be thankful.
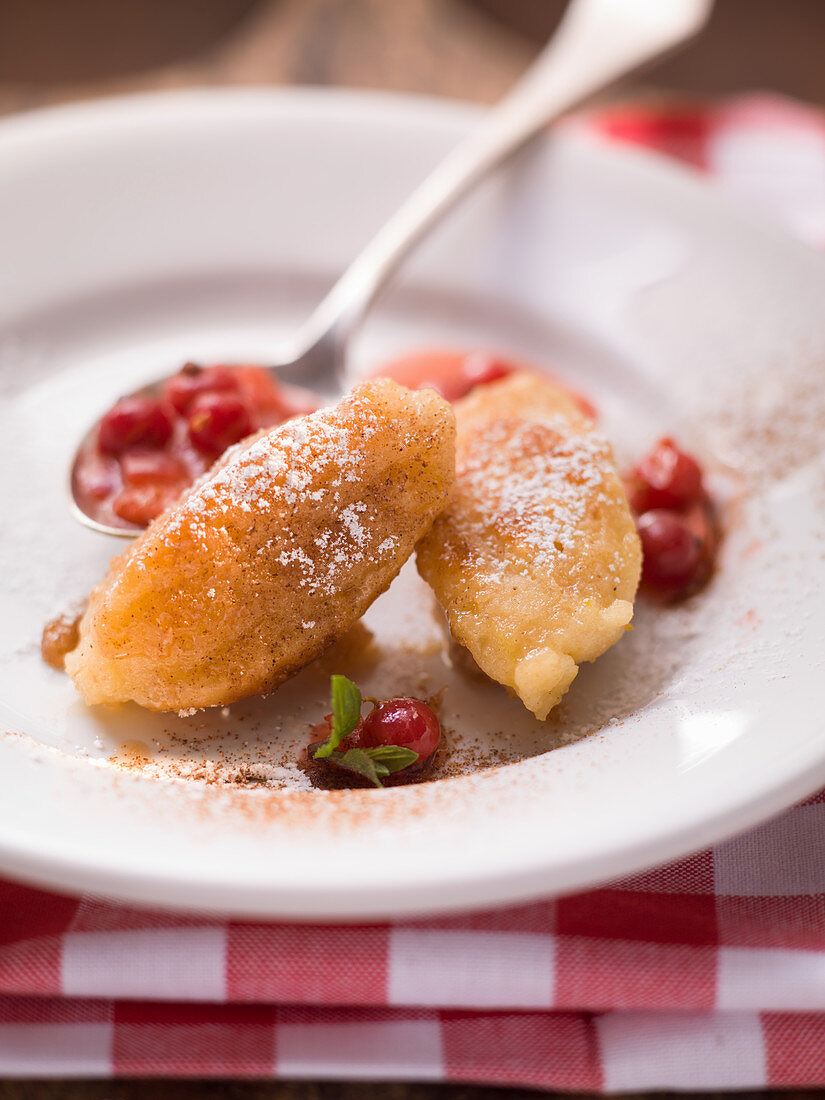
(454, 373)
(149, 448)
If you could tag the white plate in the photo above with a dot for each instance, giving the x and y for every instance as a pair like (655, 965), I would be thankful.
(138, 233)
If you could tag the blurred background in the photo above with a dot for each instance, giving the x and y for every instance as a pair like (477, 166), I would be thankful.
(56, 50)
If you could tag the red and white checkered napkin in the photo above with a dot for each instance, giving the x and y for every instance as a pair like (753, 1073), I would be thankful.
(707, 974)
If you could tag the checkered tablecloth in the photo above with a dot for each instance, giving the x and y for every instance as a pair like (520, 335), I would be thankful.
(705, 974)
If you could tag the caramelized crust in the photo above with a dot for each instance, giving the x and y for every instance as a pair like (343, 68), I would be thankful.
(271, 557)
(536, 559)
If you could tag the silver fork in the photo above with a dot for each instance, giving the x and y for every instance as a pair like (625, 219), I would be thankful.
(597, 43)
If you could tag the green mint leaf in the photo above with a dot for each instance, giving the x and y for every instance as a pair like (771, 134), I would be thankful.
(346, 712)
(358, 760)
(393, 757)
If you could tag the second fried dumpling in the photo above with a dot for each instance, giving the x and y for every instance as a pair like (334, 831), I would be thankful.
(272, 557)
(536, 559)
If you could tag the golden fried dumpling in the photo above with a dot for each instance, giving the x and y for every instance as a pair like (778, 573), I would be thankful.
(271, 557)
(536, 559)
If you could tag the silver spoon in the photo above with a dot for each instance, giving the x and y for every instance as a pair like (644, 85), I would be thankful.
(597, 42)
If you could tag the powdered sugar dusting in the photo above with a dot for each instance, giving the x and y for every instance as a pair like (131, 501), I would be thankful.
(559, 482)
(314, 459)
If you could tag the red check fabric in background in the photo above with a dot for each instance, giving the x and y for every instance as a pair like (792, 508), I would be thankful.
(705, 974)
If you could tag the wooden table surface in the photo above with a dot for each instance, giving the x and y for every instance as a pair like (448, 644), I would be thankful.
(431, 46)
(442, 47)
(285, 1090)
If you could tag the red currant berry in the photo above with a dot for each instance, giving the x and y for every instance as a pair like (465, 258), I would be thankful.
(151, 468)
(263, 394)
(192, 380)
(96, 476)
(701, 522)
(216, 421)
(666, 478)
(134, 422)
(406, 722)
(672, 555)
(140, 504)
